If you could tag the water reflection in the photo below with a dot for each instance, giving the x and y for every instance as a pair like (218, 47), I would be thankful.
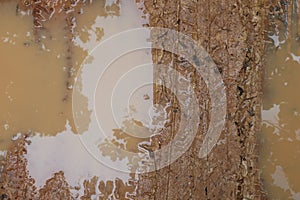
(69, 156)
(37, 76)
(33, 82)
(281, 146)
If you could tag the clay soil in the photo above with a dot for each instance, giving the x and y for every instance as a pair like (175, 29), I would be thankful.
(232, 32)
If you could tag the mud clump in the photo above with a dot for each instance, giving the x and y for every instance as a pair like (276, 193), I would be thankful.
(17, 184)
(15, 181)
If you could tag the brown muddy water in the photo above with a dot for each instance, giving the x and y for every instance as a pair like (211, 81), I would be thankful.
(35, 95)
(280, 153)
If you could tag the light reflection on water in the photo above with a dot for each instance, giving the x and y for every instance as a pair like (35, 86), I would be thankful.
(280, 151)
(33, 89)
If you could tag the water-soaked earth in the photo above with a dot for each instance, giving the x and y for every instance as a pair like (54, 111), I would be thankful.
(43, 45)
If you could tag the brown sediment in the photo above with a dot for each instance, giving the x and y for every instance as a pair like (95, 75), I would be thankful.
(56, 188)
(15, 181)
(116, 189)
(89, 188)
(232, 32)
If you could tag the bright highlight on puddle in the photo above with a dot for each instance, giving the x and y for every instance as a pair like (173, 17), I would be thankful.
(110, 90)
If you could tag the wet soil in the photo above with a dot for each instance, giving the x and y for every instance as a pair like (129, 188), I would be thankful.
(232, 32)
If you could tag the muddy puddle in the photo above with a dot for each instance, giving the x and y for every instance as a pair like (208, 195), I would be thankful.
(51, 111)
(38, 70)
(280, 153)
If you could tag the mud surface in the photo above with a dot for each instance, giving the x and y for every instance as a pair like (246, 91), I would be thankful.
(232, 33)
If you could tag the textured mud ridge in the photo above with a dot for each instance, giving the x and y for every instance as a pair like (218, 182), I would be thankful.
(232, 33)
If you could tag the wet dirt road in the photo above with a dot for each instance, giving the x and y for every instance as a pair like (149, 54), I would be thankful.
(42, 156)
